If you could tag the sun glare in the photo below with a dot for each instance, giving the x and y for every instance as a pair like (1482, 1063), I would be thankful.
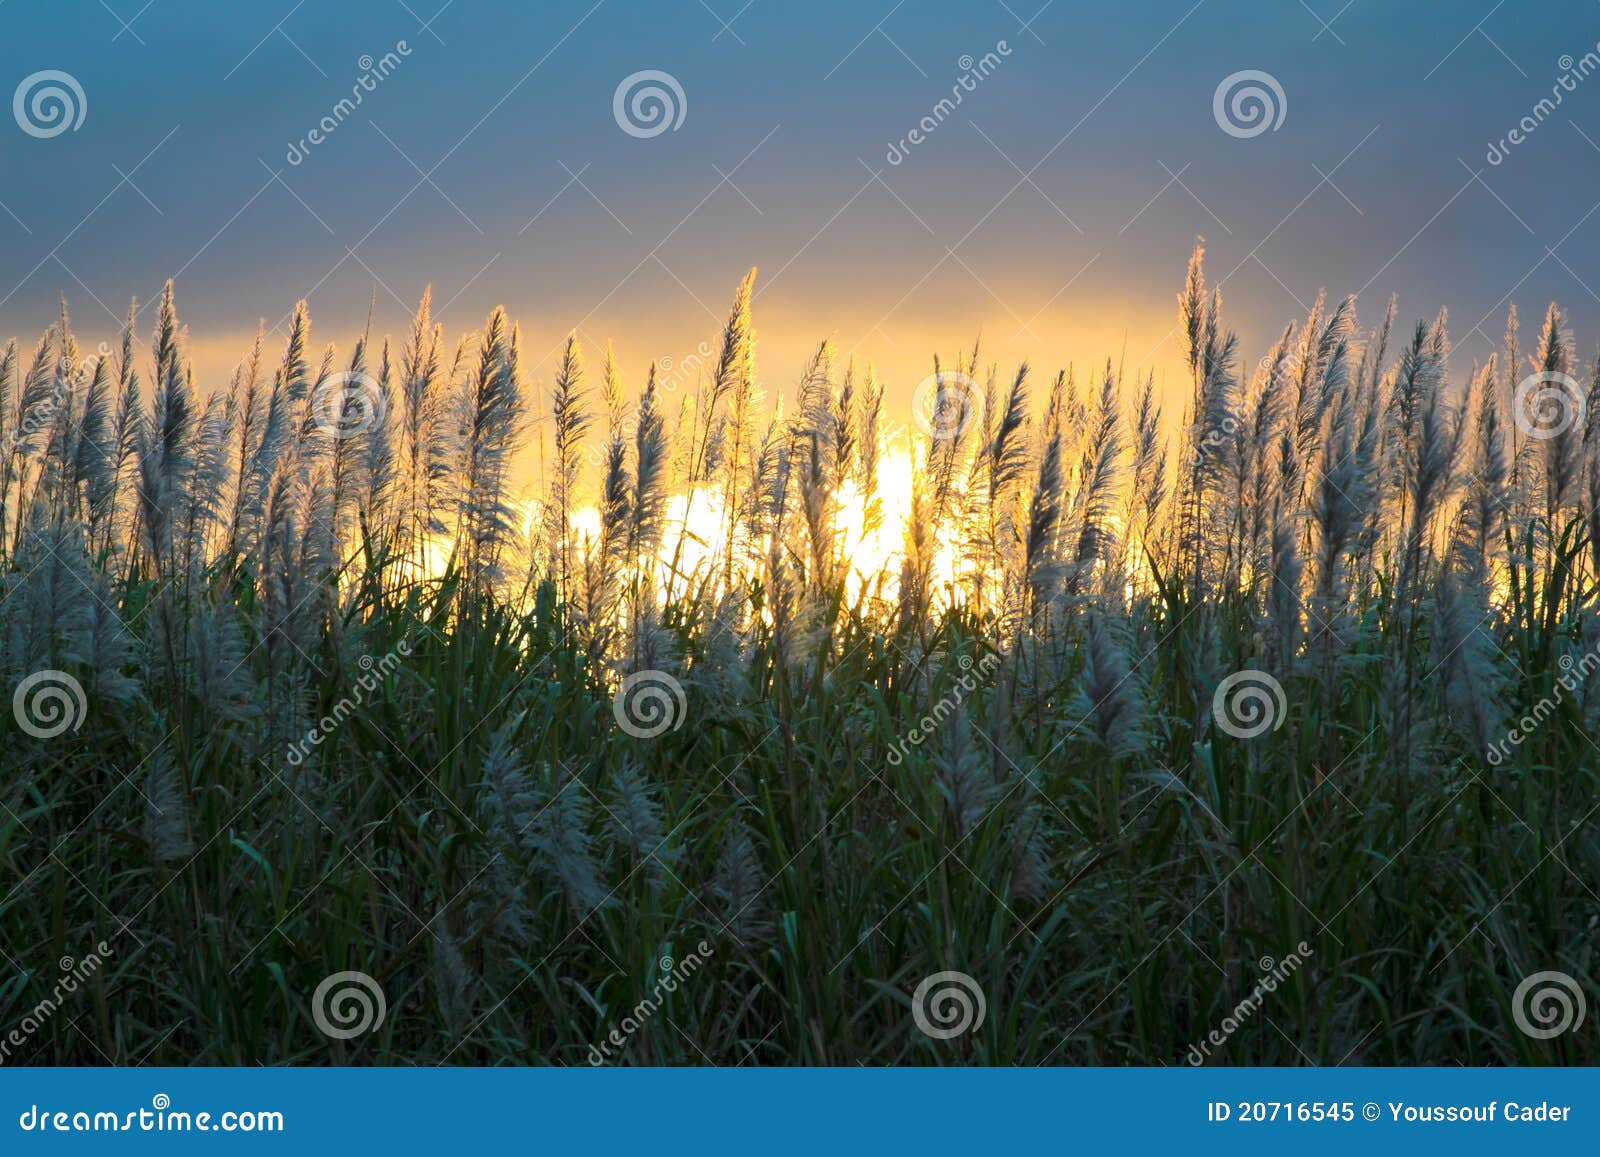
(870, 532)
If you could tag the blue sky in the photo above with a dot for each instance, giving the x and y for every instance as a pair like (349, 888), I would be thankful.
(1052, 211)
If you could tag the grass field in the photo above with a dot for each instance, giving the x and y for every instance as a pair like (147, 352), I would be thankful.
(718, 741)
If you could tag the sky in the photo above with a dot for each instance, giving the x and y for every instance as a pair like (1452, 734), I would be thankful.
(1051, 210)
